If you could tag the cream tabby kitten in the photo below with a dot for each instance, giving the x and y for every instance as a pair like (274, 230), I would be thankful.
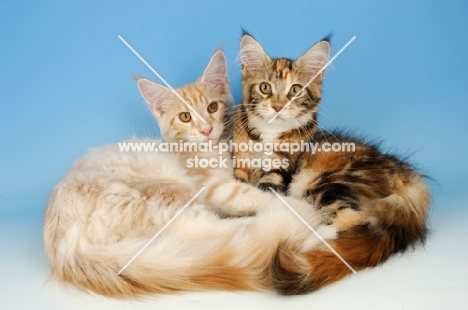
(111, 203)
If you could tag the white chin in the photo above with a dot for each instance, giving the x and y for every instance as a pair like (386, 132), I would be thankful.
(280, 117)
(272, 114)
(213, 138)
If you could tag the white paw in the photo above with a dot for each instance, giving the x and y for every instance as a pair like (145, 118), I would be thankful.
(325, 232)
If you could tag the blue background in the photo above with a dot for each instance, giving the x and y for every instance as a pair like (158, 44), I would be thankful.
(66, 81)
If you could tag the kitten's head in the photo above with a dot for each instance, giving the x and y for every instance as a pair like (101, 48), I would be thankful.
(269, 84)
(209, 97)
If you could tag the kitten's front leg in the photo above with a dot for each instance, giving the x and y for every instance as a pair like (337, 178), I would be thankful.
(242, 174)
(280, 175)
(234, 198)
(248, 175)
(243, 170)
(276, 179)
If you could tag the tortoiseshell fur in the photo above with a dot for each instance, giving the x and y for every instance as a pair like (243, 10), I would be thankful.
(377, 202)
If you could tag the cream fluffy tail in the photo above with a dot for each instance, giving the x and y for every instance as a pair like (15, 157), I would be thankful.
(197, 251)
(229, 254)
(158, 271)
(167, 265)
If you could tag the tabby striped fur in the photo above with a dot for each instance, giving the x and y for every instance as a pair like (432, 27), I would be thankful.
(377, 202)
(111, 203)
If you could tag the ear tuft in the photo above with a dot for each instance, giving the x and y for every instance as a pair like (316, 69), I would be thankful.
(328, 37)
(215, 73)
(315, 59)
(252, 56)
(245, 32)
(157, 96)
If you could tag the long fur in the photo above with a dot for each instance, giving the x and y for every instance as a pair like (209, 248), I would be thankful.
(377, 203)
(112, 202)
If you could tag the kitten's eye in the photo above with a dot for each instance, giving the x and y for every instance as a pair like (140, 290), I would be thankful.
(295, 90)
(265, 88)
(213, 107)
(185, 117)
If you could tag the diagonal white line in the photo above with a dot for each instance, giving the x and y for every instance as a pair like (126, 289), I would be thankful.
(314, 231)
(162, 229)
(312, 79)
(161, 78)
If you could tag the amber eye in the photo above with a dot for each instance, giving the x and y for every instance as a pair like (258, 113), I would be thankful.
(265, 88)
(213, 107)
(295, 89)
(185, 117)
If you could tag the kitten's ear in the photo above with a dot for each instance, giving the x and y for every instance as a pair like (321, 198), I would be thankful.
(157, 96)
(315, 59)
(215, 73)
(252, 55)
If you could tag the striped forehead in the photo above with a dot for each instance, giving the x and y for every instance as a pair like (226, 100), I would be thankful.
(196, 96)
(282, 69)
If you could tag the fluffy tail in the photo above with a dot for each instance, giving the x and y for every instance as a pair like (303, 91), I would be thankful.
(163, 267)
(152, 272)
(172, 262)
(235, 254)
(398, 224)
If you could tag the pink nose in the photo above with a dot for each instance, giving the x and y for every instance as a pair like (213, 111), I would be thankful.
(206, 130)
(277, 108)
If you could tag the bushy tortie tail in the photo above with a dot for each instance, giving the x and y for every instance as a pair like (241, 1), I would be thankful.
(378, 204)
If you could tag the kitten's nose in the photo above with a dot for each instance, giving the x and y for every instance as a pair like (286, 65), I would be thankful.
(277, 108)
(206, 130)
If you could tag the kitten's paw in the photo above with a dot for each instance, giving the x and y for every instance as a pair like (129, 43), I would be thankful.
(281, 188)
(273, 180)
(326, 232)
(241, 175)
